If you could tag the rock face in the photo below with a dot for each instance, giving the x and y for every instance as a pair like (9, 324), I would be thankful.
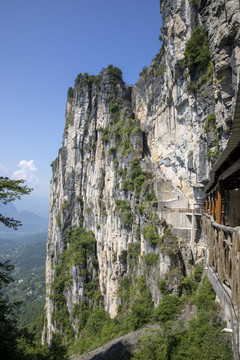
(134, 161)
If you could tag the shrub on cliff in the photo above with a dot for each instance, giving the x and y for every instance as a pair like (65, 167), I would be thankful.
(191, 282)
(197, 54)
(114, 72)
(136, 307)
(70, 93)
(80, 250)
(123, 208)
(168, 308)
(150, 235)
(201, 339)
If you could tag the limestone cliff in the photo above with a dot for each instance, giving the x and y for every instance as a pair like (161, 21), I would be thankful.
(134, 161)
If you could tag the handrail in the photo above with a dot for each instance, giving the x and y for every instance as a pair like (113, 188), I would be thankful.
(225, 228)
(224, 252)
(223, 264)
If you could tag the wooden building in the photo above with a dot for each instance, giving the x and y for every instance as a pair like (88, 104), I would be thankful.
(223, 190)
(221, 230)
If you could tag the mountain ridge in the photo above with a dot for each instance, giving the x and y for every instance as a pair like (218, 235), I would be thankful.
(31, 223)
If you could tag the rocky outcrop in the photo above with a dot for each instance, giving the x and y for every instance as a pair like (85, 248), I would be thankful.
(133, 164)
(120, 348)
(174, 107)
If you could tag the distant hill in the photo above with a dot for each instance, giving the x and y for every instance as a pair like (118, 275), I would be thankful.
(35, 204)
(31, 223)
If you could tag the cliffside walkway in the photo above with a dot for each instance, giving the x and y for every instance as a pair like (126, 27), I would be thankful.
(221, 229)
(223, 271)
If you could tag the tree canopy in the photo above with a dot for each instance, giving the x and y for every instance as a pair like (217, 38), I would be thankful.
(11, 190)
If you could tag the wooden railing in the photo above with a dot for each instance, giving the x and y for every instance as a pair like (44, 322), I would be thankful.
(224, 255)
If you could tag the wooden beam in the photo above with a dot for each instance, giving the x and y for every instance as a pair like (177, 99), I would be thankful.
(230, 170)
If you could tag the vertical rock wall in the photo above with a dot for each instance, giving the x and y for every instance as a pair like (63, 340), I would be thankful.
(134, 159)
(174, 116)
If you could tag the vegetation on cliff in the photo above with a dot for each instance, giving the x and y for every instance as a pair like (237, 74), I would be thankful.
(200, 339)
(134, 243)
(85, 325)
(80, 253)
(197, 60)
(180, 336)
(197, 54)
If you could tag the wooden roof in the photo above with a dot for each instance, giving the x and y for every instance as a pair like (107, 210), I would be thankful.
(227, 167)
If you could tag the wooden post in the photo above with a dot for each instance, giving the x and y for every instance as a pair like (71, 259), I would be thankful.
(213, 205)
(210, 205)
(216, 205)
(223, 214)
(219, 200)
(206, 209)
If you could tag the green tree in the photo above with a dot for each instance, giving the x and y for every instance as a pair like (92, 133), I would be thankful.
(8, 328)
(11, 190)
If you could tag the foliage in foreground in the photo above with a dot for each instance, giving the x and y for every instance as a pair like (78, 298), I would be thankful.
(202, 340)
(29, 349)
(11, 190)
(20, 344)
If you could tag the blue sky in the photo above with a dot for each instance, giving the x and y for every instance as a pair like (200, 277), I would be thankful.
(44, 45)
